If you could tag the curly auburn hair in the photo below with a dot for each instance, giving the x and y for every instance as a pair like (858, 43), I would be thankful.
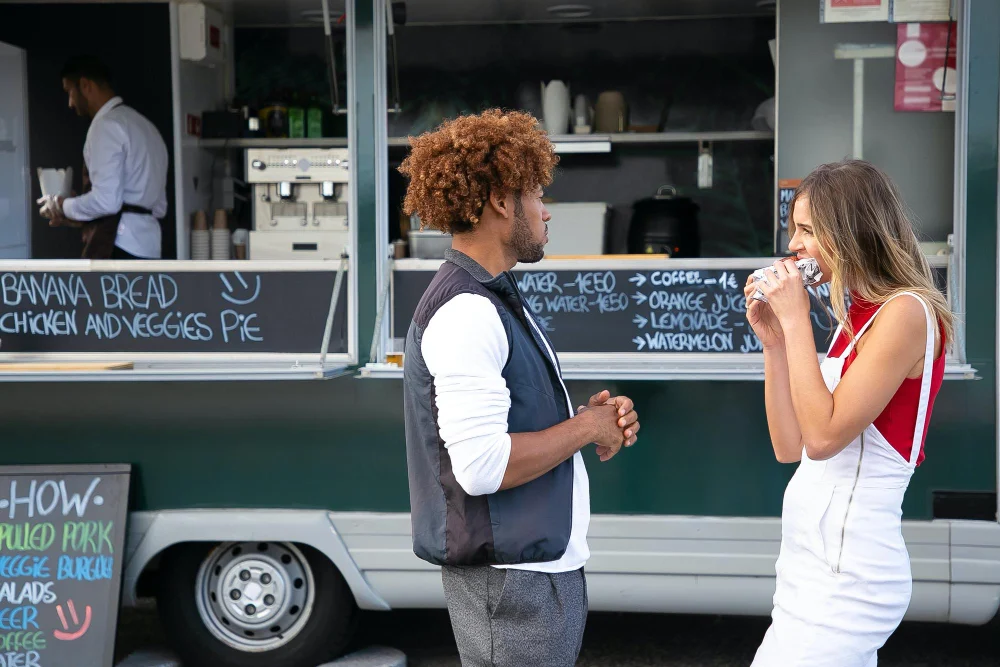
(453, 169)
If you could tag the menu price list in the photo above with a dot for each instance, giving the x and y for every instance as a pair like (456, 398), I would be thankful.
(61, 541)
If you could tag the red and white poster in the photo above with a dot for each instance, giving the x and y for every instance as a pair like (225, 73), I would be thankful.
(926, 78)
(844, 11)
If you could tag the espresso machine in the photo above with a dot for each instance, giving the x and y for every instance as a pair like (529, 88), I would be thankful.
(300, 200)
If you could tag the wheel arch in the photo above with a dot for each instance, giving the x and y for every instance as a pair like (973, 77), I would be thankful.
(151, 534)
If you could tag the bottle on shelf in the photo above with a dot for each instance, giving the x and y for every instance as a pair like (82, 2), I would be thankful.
(296, 119)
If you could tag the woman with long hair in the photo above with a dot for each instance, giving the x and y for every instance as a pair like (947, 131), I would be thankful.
(855, 423)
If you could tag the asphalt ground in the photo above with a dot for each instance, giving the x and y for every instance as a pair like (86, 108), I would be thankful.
(632, 640)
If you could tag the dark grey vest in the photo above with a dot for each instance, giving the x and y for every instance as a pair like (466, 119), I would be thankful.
(528, 523)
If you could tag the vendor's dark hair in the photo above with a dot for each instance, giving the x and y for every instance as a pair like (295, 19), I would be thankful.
(87, 67)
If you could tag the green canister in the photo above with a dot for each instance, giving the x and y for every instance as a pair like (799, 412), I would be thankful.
(296, 122)
(314, 121)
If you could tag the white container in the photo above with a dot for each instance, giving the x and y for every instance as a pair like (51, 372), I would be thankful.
(555, 107)
(428, 244)
(576, 228)
(297, 245)
(202, 32)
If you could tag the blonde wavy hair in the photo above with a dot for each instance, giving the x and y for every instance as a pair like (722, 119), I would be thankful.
(866, 239)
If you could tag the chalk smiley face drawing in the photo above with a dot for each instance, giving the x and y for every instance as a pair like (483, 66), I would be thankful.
(65, 634)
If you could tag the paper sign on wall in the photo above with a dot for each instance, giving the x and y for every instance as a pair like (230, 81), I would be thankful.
(786, 190)
(848, 11)
(925, 66)
(909, 11)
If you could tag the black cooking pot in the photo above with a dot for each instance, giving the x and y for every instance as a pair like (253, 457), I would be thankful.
(665, 224)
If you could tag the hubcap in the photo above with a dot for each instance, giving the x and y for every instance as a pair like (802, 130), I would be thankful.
(255, 596)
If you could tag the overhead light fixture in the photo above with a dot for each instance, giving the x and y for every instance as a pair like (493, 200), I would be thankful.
(316, 15)
(570, 11)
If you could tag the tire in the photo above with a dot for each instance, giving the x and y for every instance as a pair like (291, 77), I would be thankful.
(306, 615)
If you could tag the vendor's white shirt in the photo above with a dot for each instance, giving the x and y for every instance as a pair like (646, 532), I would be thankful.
(127, 161)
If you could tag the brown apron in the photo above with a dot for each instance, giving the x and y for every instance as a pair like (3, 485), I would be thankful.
(99, 234)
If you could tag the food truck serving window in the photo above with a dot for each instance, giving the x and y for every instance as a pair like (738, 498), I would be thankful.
(681, 141)
(231, 250)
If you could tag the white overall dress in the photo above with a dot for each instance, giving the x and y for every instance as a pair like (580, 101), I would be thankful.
(843, 572)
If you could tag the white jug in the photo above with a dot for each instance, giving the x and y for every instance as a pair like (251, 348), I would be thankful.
(555, 107)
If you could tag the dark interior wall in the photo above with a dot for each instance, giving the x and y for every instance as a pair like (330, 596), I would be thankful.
(676, 75)
(134, 40)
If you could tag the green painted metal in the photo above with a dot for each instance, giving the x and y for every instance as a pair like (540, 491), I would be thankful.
(703, 448)
(981, 169)
(976, 448)
(296, 444)
(364, 172)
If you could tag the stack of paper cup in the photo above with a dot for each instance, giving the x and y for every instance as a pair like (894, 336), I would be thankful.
(200, 244)
(221, 237)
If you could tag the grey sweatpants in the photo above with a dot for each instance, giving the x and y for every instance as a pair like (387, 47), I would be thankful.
(516, 618)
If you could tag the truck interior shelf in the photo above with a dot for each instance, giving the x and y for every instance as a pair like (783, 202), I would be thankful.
(568, 142)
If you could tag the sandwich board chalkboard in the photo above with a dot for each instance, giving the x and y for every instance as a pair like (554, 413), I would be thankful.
(62, 541)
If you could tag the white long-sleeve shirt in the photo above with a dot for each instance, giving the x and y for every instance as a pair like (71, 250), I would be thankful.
(465, 349)
(127, 161)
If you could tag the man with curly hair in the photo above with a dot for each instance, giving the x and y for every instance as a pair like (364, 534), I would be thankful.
(499, 494)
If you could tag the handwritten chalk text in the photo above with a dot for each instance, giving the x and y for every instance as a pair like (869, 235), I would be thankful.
(138, 292)
(88, 537)
(33, 567)
(19, 618)
(22, 641)
(686, 342)
(48, 497)
(43, 290)
(16, 659)
(32, 592)
(26, 536)
(85, 568)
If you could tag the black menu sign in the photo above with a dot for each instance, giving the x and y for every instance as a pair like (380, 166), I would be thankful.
(686, 311)
(62, 538)
(697, 311)
(181, 311)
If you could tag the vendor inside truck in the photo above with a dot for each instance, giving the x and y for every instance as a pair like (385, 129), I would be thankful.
(126, 162)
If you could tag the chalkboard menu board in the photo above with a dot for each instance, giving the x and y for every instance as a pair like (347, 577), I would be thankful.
(617, 310)
(182, 311)
(62, 539)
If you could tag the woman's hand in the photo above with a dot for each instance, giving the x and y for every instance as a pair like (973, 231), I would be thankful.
(762, 319)
(786, 293)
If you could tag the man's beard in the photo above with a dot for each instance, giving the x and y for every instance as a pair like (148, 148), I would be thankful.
(526, 248)
(80, 106)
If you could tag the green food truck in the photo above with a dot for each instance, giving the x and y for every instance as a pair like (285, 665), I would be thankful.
(252, 377)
